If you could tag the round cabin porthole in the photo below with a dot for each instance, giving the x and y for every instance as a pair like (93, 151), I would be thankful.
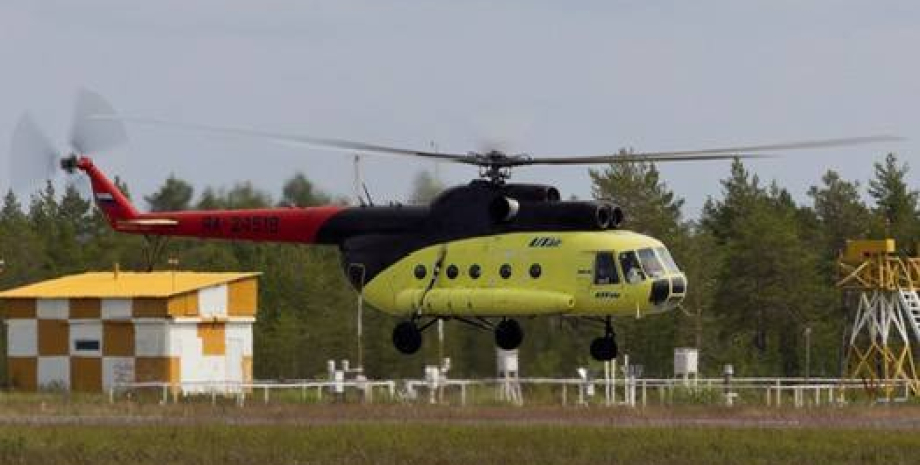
(505, 271)
(420, 271)
(535, 271)
(452, 271)
(475, 271)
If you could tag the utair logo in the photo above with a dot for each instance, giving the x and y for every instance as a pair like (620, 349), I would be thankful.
(545, 242)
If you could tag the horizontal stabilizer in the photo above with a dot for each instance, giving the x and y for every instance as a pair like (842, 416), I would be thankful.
(143, 223)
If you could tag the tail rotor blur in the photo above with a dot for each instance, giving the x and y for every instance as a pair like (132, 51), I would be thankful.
(33, 156)
(35, 159)
(90, 133)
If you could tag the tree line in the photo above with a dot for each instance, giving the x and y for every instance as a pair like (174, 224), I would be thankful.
(761, 270)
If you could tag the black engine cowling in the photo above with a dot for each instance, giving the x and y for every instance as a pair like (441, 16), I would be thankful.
(572, 215)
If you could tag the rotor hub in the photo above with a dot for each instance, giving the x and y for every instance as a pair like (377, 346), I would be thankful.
(495, 166)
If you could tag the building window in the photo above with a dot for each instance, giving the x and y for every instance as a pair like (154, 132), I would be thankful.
(535, 270)
(505, 271)
(452, 271)
(420, 271)
(475, 271)
(86, 345)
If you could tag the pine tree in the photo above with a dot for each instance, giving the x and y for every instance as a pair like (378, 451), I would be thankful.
(768, 286)
(895, 203)
(649, 205)
(174, 195)
(739, 192)
(840, 212)
(300, 192)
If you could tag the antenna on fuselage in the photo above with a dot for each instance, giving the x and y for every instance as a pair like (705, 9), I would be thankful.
(359, 186)
(437, 164)
(357, 180)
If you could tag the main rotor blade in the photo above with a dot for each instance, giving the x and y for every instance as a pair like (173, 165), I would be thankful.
(90, 134)
(33, 157)
(710, 154)
(294, 139)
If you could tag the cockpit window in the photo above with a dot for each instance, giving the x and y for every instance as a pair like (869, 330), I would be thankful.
(669, 262)
(605, 269)
(631, 268)
(651, 263)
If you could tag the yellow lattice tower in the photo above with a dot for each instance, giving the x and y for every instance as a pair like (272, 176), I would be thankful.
(884, 285)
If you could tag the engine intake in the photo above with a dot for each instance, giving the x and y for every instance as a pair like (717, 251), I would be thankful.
(503, 209)
(569, 215)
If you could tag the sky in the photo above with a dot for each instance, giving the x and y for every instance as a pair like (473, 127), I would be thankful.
(542, 77)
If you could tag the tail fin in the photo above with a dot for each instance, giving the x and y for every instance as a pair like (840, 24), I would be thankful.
(108, 197)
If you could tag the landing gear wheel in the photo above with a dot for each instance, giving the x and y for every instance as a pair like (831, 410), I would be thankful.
(604, 348)
(509, 335)
(407, 338)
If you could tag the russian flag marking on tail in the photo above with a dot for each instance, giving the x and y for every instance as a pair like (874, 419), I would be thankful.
(105, 198)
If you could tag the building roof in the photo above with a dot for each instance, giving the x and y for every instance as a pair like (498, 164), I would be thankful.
(125, 285)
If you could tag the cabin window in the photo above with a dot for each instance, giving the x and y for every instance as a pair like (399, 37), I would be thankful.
(505, 271)
(452, 271)
(536, 270)
(632, 270)
(475, 271)
(605, 269)
(86, 345)
(668, 261)
(650, 263)
(420, 271)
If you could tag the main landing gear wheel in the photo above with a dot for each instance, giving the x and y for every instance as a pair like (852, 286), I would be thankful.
(604, 348)
(407, 337)
(509, 335)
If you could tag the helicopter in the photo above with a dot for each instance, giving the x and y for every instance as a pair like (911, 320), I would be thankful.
(486, 253)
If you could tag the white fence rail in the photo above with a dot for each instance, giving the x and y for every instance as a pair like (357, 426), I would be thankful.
(797, 392)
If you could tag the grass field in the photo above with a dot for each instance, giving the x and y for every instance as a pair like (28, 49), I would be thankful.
(408, 443)
(44, 429)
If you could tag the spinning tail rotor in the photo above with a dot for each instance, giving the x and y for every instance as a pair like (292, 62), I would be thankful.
(34, 158)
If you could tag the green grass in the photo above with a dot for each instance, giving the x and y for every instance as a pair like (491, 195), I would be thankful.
(403, 443)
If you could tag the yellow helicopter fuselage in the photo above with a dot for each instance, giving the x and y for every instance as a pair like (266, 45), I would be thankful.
(602, 273)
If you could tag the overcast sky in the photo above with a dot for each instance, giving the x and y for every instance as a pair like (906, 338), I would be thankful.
(544, 77)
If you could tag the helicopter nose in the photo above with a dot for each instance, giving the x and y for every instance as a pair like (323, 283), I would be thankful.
(661, 288)
(670, 291)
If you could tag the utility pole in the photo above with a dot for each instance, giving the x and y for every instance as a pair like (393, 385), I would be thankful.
(807, 353)
(173, 263)
(357, 270)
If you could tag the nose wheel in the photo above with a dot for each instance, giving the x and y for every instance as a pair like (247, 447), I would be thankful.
(508, 334)
(407, 337)
(604, 348)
